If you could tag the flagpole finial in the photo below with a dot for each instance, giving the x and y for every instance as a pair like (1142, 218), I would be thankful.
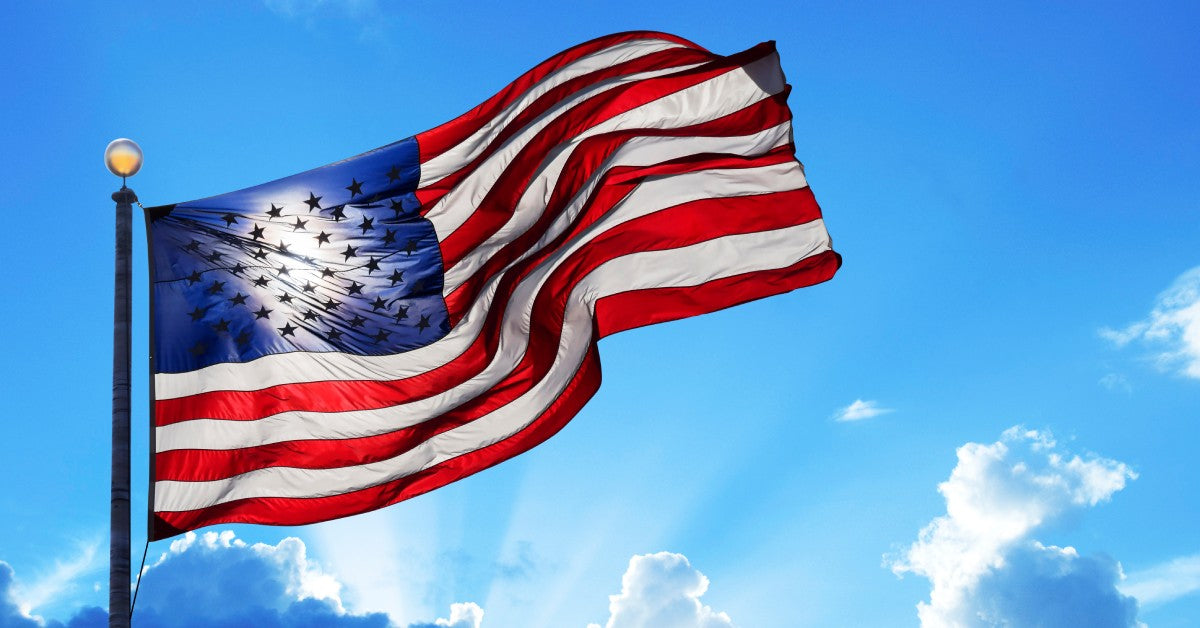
(123, 157)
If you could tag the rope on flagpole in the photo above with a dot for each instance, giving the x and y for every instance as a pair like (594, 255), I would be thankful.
(137, 586)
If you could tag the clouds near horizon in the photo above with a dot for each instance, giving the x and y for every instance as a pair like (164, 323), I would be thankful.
(259, 584)
(13, 616)
(662, 590)
(462, 615)
(216, 579)
(32, 596)
(984, 565)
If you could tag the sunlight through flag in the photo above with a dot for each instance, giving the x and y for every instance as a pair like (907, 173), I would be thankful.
(352, 336)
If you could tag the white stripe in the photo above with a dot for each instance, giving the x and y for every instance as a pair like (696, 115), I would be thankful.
(448, 162)
(687, 266)
(638, 151)
(647, 198)
(708, 100)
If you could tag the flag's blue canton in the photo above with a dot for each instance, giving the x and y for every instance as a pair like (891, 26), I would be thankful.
(334, 259)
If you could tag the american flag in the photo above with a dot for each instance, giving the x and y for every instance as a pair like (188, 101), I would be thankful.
(346, 338)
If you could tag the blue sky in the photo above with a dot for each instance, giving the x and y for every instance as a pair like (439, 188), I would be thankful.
(1014, 190)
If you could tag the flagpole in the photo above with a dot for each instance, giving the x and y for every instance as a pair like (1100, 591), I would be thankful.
(123, 158)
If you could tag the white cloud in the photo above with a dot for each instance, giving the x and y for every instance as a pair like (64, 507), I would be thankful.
(1172, 327)
(12, 615)
(62, 577)
(462, 615)
(983, 566)
(301, 577)
(662, 591)
(217, 579)
(860, 410)
(1165, 582)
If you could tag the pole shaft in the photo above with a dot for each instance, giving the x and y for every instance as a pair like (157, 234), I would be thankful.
(118, 553)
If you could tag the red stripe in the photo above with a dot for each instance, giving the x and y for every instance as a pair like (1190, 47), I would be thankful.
(616, 313)
(441, 138)
(497, 205)
(675, 57)
(679, 226)
(336, 396)
(292, 511)
(587, 159)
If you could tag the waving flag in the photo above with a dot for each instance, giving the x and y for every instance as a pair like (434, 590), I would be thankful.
(349, 337)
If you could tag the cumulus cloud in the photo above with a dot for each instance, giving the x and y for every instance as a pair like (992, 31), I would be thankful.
(662, 591)
(860, 410)
(984, 567)
(1052, 586)
(1172, 328)
(1165, 582)
(260, 585)
(465, 615)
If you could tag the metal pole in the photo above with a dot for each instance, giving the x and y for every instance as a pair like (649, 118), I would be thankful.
(118, 553)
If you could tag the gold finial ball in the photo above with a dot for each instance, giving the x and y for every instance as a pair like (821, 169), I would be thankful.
(123, 157)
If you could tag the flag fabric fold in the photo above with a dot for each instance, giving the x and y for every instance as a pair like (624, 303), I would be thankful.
(346, 338)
